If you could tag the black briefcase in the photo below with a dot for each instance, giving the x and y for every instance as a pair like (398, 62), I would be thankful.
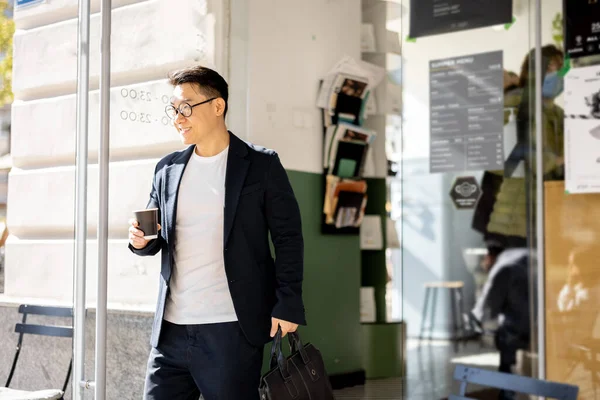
(301, 376)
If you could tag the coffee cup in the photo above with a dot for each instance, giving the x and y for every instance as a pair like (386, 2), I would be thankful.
(147, 222)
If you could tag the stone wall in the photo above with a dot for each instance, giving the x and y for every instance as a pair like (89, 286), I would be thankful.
(44, 361)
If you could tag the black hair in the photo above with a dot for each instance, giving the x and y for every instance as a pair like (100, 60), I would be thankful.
(494, 246)
(208, 82)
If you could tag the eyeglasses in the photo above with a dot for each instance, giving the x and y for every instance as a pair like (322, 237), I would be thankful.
(184, 109)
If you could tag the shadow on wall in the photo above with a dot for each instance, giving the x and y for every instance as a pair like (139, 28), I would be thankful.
(419, 219)
(416, 273)
(435, 237)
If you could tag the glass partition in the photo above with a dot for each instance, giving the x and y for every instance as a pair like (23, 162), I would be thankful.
(571, 206)
(467, 184)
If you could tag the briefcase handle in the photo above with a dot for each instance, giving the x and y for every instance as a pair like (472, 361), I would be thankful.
(277, 358)
(296, 346)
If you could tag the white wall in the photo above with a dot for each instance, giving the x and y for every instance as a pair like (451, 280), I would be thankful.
(149, 38)
(237, 115)
(291, 45)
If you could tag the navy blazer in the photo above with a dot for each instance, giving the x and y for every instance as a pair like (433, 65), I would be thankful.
(258, 200)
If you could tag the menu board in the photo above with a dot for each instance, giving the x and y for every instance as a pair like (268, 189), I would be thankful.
(466, 113)
(434, 17)
(582, 27)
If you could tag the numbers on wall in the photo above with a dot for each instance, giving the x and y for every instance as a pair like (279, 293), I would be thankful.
(142, 118)
(143, 95)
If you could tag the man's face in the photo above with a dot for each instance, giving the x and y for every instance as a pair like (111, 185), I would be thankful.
(204, 118)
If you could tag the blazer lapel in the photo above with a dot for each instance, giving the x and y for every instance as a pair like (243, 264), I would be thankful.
(237, 167)
(173, 175)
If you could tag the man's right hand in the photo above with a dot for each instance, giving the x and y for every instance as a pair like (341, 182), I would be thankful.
(136, 236)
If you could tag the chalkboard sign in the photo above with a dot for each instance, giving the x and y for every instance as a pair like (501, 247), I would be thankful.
(434, 17)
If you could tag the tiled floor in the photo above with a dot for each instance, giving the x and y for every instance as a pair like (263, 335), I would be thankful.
(379, 389)
(429, 373)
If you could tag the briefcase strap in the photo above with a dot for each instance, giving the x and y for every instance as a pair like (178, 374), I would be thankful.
(277, 358)
(296, 346)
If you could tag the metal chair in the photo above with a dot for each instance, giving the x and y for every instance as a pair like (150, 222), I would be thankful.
(521, 384)
(24, 328)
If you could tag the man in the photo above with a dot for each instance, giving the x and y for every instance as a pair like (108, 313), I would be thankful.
(506, 296)
(221, 294)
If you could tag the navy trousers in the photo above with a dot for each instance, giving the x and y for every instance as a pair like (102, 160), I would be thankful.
(508, 342)
(215, 360)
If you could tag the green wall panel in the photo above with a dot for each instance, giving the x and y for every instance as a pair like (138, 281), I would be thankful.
(331, 283)
(374, 271)
(383, 342)
(384, 350)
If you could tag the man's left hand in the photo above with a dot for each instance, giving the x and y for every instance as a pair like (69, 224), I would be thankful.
(286, 327)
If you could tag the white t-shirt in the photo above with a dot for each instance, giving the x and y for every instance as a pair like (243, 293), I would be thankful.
(199, 293)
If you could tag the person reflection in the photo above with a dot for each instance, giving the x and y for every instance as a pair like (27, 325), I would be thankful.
(552, 114)
(503, 213)
(581, 292)
(506, 297)
(577, 306)
(511, 81)
(504, 216)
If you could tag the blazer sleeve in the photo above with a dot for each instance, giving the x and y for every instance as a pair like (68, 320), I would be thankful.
(283, 218)
(154, 246)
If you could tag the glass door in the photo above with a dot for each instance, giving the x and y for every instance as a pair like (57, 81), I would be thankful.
(467, 183)
(571, 232)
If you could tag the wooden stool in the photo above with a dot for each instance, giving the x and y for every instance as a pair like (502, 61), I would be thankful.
(456, 308)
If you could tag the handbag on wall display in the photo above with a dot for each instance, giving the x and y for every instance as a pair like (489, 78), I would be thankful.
(301, 376)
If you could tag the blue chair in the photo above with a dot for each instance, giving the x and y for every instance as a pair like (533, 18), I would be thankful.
(509, 382)
(24, 328)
